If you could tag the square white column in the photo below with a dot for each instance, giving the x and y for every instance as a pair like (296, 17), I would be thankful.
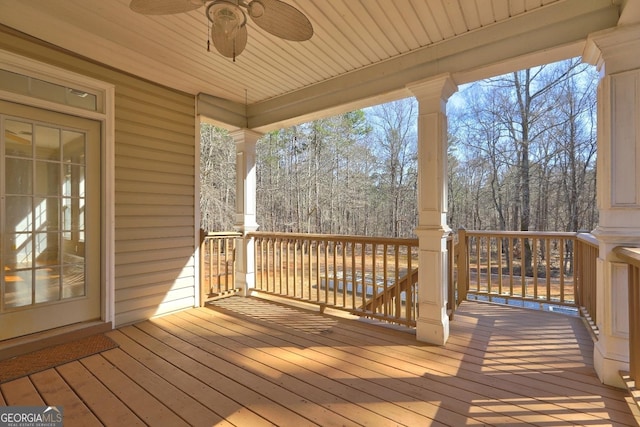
(245, 220)
(615, 52)
(432, 231)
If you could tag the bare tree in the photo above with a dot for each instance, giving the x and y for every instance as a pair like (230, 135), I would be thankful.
(217, 179)
(396, 148)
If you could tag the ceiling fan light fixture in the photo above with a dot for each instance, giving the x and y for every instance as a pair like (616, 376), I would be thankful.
(226, 18)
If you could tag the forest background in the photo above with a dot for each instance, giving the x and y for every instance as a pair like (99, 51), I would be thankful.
(521, 156)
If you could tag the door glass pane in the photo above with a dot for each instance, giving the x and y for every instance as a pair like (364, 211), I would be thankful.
(47, 249)
(47, 142)
(73, 147)
(17, 291)
(18, 138)
(46, 214)
(18, 250)
(18, 176)
(18, 216)
(47, 178)
(47, 284)
(73, 280)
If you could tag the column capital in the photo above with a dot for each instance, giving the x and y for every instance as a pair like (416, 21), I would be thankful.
(614, 50)
(438, 88)
(244, 136)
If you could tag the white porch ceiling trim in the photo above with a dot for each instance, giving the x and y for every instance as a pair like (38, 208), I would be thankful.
(545, 35)
(364, 52)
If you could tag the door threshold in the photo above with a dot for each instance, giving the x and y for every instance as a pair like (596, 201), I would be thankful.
(26, 344)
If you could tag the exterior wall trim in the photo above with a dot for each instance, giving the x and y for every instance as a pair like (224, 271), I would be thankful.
(105, 93)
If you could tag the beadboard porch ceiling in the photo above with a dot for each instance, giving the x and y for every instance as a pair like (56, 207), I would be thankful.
(362, 52)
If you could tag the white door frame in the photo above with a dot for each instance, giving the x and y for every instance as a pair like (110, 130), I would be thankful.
(105, 114)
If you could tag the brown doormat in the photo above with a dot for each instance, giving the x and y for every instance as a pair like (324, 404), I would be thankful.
(51, 357)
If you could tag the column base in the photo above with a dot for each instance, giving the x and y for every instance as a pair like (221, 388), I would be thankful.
(607, 367)
(245, 282)
(432, 331)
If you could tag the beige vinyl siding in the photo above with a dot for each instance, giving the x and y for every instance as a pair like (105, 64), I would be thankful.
(154, 186)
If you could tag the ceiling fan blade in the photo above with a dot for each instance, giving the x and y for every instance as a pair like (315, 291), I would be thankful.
(164, 7)
(230, 47)
(280, 19)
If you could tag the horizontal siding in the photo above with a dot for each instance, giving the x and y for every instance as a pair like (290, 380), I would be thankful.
(143, 174)
(155, 157)
(145, 233)
(155, 181)
(152, 308)
(152, 278)
(124, 198)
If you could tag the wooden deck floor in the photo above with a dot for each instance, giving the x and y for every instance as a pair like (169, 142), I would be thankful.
(250, 362)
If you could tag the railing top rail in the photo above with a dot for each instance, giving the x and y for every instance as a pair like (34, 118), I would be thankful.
(336, 237)
(628, 255)
(520, 233)
(588, 238)
(221, 233)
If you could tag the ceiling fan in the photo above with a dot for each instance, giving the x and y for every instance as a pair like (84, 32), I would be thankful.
(228, 19)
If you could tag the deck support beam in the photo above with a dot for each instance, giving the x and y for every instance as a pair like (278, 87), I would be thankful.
(615, 52)
(432, 231)
(245, 220)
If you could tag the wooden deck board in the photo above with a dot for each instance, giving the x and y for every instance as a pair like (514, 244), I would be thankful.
(191, 376)
(56, 392)
(250, 362)
(105, 405)
(183, 405)
(363, 405)
(451, 397)
(368, 374)
(238, 388)
(21, 392)
(144, 405)
(287, 390)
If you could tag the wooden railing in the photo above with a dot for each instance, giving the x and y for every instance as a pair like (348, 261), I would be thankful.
(632, 257)
(217, 265)
(377, 277)
(586, 256)
(532, 269)
(370, 277)
(452, 276)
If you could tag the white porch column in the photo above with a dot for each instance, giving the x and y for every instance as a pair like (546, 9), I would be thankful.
(432, 95)
(245, 221)
(615, 52)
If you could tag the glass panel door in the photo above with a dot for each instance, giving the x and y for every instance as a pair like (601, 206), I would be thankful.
(44, 219)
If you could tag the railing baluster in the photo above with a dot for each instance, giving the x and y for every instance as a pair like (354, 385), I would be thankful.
(478, 241)
(374, 277)
(534, 257)
(500, 267)
(523, 267)
(326, 273)
(463, 265)
(489, 283)
(354, 274)
(385, 263)
(561, 268)
(408, 292)
(548, 268)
